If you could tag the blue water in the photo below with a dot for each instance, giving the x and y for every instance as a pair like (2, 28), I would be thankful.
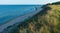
(8, 12)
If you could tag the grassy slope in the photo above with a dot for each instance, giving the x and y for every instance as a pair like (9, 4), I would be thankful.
(47, 21)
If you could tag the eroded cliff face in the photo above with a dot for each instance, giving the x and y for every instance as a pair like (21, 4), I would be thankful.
(46, 21)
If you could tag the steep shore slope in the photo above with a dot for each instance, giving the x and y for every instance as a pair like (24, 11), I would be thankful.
(47, 21)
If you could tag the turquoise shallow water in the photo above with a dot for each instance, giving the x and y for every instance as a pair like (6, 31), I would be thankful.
(8, 12)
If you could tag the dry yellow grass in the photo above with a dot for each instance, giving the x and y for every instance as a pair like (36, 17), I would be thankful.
(44, 22)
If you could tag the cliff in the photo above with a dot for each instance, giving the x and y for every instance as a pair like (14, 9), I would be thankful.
(46, 21)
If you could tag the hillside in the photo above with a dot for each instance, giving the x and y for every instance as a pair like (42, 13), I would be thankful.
(46, 21)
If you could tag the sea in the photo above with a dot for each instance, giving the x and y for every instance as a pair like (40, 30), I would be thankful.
(9, 12)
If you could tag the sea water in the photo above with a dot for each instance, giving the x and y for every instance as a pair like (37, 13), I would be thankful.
(9, 12)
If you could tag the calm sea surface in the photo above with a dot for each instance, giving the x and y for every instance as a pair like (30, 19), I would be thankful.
(8, 12)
